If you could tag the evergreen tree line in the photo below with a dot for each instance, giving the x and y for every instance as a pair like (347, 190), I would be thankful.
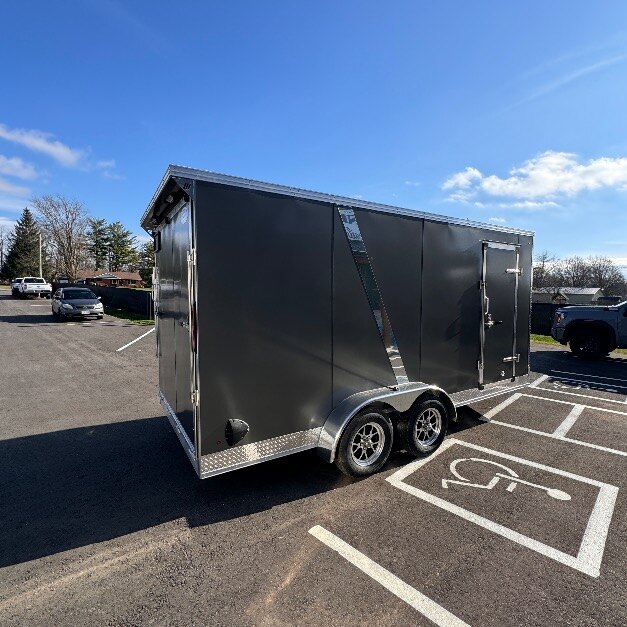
(71, 240)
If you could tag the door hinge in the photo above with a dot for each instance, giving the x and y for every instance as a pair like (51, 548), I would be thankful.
(515, 358)
(517, 271)
(195, 398)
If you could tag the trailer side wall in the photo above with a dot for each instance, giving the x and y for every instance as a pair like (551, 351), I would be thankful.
(264, 312)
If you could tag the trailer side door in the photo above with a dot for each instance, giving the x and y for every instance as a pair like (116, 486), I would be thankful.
(499, 295)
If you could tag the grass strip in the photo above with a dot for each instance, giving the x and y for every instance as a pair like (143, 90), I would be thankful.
(129, 316)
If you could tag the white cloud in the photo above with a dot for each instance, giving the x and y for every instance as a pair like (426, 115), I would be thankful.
(44, 143)
(15, 190)
(107, 169)
(463, 179)
(413, 183)
(539, 182)
(527, 204)
(497, 220)
(14, 166)
(10, 203)
(113, 176)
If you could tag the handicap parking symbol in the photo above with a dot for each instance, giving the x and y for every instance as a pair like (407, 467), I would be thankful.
(479, 473)
(509, 475)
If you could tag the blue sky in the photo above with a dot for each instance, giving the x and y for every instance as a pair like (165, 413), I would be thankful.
(496, 111)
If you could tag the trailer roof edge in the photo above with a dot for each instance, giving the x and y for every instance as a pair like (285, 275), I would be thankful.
(237, 181)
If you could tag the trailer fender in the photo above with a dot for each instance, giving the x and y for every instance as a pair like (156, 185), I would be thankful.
(399, 400)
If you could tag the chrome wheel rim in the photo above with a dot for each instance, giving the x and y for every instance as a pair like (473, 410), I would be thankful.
(428, 426)
(367, 444)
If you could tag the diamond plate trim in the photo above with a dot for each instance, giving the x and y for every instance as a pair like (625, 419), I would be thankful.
(248, 454)
(178, 429)
(491, 389)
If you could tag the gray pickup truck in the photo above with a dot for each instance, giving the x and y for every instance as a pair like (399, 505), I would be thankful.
(591, 331)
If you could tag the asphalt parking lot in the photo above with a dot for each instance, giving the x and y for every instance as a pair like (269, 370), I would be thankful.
(520, 517)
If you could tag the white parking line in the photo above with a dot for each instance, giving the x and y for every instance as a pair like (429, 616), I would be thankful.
(135, 340)
(596, 398)
(594, 376)
(487, 417)
(556, 400)
(423, 604)
(569, 421)
(539, 380)
(597, 447)
(501, 406)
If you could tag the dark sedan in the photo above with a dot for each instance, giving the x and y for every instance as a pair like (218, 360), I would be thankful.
(76, 302)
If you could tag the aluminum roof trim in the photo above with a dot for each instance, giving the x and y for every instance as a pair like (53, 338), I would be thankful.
(236, 181)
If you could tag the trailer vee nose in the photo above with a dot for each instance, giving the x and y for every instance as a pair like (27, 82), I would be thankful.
(283, 315)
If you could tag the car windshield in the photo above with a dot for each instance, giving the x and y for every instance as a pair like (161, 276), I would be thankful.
(78, 294)
(33, 280)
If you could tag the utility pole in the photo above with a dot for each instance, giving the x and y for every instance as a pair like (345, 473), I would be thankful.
(40, 268)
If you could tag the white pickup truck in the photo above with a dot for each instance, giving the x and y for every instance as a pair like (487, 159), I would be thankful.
(34, 286)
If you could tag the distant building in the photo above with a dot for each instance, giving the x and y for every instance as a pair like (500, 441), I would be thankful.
(109, 279)
(567, 295)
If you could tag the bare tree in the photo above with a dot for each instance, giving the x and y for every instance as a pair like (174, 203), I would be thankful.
(64, 222)
(573, 272)
(606, 275)
(543, 270)
(5, 234)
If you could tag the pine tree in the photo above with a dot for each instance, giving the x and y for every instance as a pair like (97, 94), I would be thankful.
(147, 261)
(122, 251)
(98, 242)
(22, 258)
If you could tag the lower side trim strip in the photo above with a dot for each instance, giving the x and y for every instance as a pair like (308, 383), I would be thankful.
(466, 397)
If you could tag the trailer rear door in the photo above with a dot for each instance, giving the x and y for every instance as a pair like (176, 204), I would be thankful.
(499, 294)
(173, 328)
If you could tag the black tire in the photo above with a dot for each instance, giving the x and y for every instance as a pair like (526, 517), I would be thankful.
(589, 345)
(365, 445)
(60, 316)
(100, 317)
(423, 429)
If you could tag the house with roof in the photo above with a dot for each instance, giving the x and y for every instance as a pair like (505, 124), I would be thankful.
(567, 295)
(109, 279)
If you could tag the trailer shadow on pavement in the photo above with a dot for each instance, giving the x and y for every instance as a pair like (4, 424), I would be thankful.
(76, 487)
(549, 360)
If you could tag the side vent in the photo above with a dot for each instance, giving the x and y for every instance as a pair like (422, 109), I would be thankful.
(235, 430)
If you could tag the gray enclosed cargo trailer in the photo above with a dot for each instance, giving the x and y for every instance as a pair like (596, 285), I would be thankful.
(289, 320)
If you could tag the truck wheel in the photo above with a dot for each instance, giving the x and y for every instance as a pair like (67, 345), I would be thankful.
(588, 345)
(423, 430)
(365, 444)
